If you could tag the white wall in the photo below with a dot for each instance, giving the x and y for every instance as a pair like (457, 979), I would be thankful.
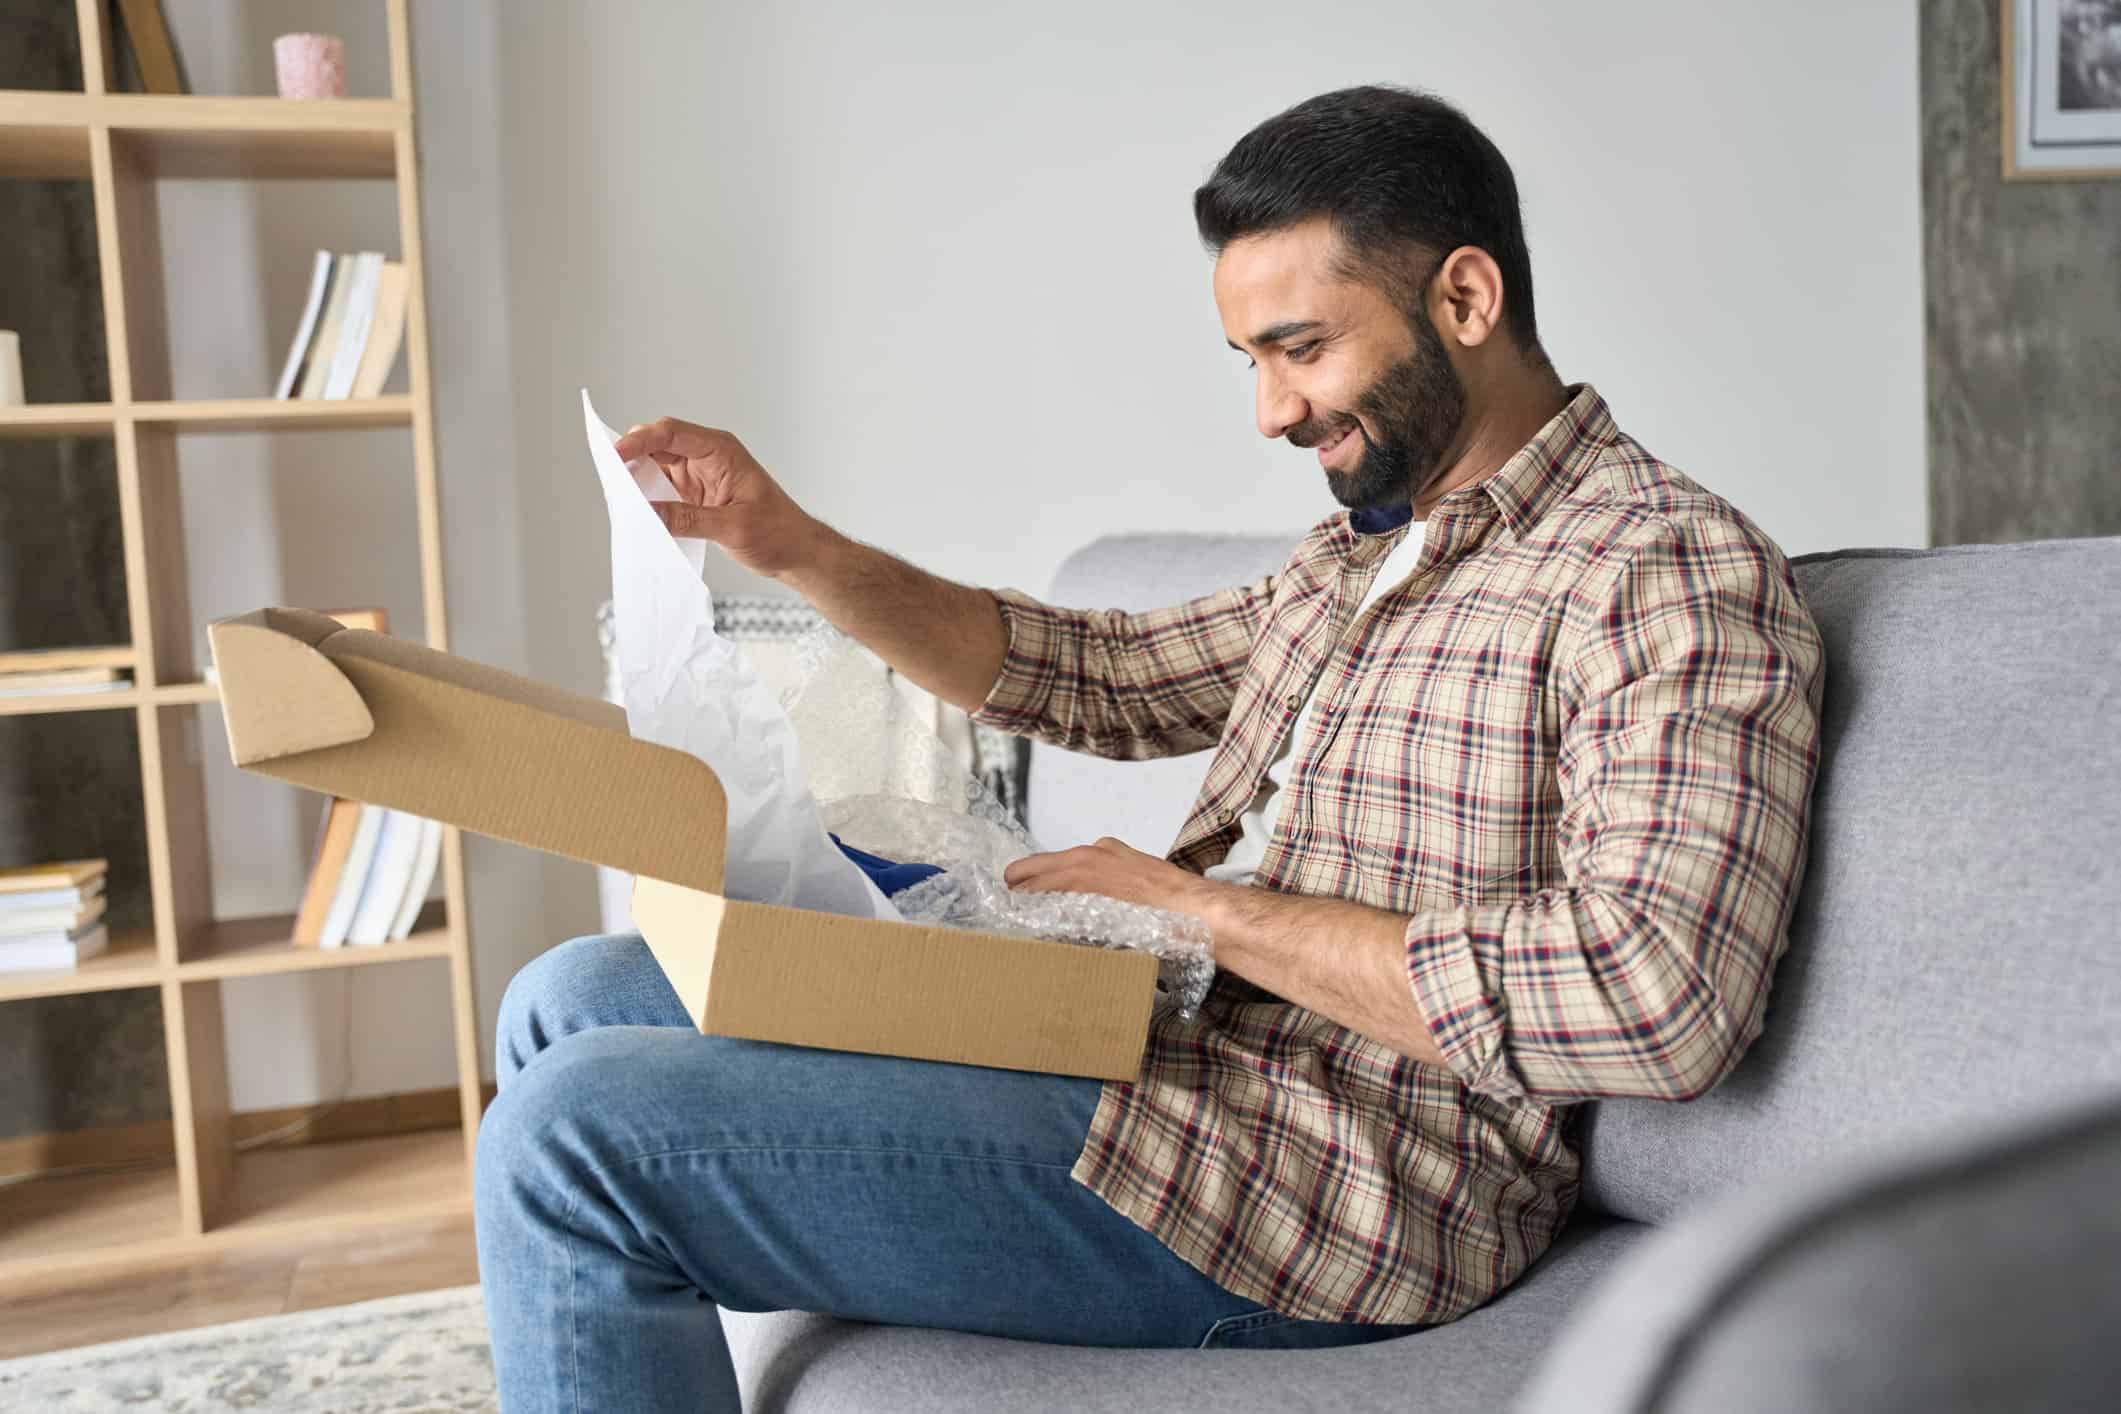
(937, 268)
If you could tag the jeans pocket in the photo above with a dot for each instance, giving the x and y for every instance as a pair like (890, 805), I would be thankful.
(1271, 1330)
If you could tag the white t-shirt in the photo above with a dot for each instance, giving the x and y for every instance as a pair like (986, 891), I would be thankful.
(1250, 849)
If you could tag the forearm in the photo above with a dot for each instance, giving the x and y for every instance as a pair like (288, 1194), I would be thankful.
(1343, 960)
(946, 637)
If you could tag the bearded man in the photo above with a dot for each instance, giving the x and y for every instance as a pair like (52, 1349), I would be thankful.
(1507, 809)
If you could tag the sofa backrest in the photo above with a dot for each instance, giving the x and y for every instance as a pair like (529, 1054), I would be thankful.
(1956, 947)
(1073, 799)
(1955, 953)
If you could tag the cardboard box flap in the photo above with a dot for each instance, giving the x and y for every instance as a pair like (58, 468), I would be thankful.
(318, 707)
(386, 720)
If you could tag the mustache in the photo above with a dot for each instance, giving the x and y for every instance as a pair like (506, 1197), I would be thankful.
(1308, 436)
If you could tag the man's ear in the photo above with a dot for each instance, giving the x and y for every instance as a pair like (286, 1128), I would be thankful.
(1466, 297)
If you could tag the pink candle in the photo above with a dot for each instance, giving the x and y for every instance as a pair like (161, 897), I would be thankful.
(309, 65)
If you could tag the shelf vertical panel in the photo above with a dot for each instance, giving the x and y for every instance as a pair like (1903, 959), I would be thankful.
(94, 27)
(427, 493)
(166, 635)
(143, 298)
(198, 1095)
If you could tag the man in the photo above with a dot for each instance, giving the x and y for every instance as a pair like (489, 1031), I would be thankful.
(1508, 807)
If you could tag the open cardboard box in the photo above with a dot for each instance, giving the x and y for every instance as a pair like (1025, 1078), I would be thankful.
(383, 720)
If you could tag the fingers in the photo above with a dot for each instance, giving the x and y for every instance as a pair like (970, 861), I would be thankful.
(668, 435)
(687, 521)
(1044, 871)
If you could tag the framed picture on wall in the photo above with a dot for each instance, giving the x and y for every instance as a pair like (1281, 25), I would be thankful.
(2061, 88)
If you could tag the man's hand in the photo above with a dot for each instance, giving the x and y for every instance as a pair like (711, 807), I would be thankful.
(728, 497)
(1113, 869)
(1342, 960)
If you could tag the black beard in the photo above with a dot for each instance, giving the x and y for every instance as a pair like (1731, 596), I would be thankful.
(1419, 405)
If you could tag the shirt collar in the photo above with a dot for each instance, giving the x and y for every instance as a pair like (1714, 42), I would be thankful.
(1547, 468)
(1525, 487)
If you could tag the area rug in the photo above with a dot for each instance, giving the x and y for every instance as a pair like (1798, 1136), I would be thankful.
(419, 1354)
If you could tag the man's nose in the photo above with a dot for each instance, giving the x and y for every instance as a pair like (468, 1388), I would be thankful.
(1280, 406)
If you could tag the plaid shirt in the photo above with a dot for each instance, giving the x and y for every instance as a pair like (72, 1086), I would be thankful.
(1576, 748)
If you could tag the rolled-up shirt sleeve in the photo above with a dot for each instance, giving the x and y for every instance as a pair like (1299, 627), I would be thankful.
(1688, 751)
(1129, 685)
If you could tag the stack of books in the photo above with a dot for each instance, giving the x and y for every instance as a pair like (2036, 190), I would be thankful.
(51, 915)
(351, 327)
(42, 672)
(373, 868)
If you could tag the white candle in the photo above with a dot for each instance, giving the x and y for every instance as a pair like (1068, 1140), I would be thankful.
(10, 369)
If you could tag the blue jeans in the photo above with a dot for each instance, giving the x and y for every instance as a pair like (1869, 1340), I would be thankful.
(634, 1175)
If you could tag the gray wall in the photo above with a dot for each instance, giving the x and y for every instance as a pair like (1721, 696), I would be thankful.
(2023, 313)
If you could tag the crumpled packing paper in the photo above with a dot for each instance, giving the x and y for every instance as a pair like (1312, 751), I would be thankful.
(688, 688)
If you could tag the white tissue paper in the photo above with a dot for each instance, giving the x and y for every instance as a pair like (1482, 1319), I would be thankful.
(686, 687)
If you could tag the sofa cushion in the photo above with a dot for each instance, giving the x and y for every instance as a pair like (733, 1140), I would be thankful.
(795, 1363)
(1956, 949)
(1073, 799)
(1961, 1276)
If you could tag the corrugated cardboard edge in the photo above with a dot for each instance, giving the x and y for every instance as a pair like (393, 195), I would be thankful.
(945, 994)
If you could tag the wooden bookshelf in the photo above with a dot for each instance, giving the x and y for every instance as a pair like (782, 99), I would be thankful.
(212, 1197)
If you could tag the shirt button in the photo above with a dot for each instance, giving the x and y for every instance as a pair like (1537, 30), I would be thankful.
(1291, 701)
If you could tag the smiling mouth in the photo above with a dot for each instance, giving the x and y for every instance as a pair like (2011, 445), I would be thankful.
(1326, 451)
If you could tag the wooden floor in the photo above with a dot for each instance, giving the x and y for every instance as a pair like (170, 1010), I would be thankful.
(54, 1312)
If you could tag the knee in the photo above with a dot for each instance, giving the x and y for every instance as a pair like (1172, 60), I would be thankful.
(566, 1119)
(567, 989)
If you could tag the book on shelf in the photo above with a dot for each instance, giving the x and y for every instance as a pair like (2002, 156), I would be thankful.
(57, 681)
(353, 876)
(298, 352)
(352, 326)
(74, 896)
(335, 837)
(353, 333)
(56, 918)
(324, 339)
(54, 951)
(47, 660)
(389, 876)
(83, 874)
(372, 866)
(386, 333)
(153, 53)
(51, 915)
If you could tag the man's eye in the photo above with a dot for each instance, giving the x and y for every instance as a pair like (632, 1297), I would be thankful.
(1300, 352)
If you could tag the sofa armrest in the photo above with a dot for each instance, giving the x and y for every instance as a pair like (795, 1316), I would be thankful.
(1961, 1275)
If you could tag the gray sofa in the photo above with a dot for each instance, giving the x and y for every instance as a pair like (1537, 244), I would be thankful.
(1909, 1194)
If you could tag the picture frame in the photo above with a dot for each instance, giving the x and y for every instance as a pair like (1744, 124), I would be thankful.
(2061, 89)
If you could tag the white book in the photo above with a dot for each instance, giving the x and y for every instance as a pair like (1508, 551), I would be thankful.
(423, 877)
(385, 332)
(316, 366)
(65, 689)
(52, 951)
(319, 282)
(397, 849)
(353, 328)
(73, 898)
(353, 878)
(18, 922)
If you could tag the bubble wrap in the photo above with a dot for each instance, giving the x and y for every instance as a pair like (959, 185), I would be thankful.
(885, 783)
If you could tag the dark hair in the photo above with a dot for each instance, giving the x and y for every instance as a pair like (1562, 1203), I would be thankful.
(1404, 177)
